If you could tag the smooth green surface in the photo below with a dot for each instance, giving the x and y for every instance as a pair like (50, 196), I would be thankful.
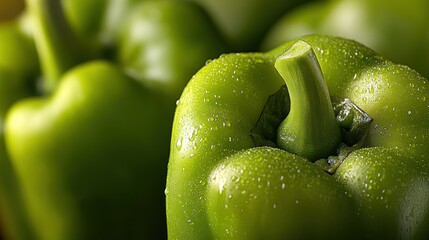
(268, 193)
(395, 29)
(215, 168)
(392, 189)
(18, 70)
(86, 156)
(16, 79)
(89, 158)
(58, 46)
(164, 50)
(244, 23)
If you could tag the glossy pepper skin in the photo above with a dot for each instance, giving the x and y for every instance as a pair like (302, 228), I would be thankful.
(90, 150)
(223, 184)
(244, 23)
(397, 30)
(235, 20)
(17, 81)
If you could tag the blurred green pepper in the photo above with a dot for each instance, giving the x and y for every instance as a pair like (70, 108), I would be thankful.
(90, 150)
(397, 29)
(18, 71)
(244, 23)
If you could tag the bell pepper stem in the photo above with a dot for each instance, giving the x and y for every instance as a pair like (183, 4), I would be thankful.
(310, 129)
(58, 47)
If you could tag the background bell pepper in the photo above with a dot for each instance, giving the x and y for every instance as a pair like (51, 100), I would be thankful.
(90, 149)
(246, 160)
(396, 29)
(91, 144)
(19, 69)
(244, 23)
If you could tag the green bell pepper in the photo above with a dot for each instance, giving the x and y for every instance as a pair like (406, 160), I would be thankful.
(340, 153)
(397, 30)
(244, 23)
(236, 21)
(18, 68)
(90, 148)
(98, 21)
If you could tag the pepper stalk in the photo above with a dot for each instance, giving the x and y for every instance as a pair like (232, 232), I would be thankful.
(310, 130)
(58, 47)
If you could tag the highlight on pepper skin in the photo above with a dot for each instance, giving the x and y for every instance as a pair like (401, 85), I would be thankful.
(149, 119)
(254, 178)
(397, 29)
